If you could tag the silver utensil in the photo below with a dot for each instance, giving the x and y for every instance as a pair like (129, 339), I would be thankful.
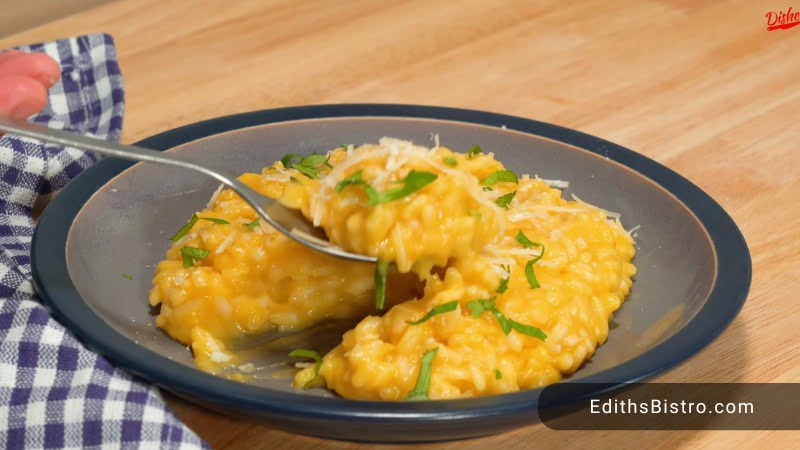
(289, 222)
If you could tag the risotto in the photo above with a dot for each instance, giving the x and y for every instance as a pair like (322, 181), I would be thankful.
(487, 282)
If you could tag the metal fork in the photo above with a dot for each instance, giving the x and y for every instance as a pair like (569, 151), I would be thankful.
(288, 221)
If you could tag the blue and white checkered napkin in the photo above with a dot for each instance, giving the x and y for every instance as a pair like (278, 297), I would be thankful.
(54, 393)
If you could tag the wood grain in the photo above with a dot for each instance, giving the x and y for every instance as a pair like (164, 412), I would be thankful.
(699, 86)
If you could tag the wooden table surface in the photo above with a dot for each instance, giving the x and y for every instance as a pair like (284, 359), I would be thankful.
(700, 86)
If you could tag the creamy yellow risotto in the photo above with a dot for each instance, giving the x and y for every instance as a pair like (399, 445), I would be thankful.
(487, 283)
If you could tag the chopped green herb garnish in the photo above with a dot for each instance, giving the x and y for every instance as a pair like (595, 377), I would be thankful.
(504, 282)
(309, 166)
(287, 160)
(529, 272)
(310, 172)
(215, 220)
(474, 213)
(356, 180)
(436, 310)
(192, 254)
(346, 146)
(252, 225)
(353, 180)
(504, 200)
(504, 322)
(500, 175)
(487, 188)
(301, 353)
(450, 161)
(474, 150)
(315, 161)
(414, 181)
(497, 374)
(479, 306)
(503, 285)
(527, 243)
(528, 330)
(128, 276)
(185, 229)
(420, 391)
(380, 283)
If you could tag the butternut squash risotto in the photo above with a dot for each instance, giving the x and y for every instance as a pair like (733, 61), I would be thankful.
(487, 282)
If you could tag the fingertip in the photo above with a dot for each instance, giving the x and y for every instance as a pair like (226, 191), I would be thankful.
(21, 96)
(10, 54)
(38, 66)
(44, 69)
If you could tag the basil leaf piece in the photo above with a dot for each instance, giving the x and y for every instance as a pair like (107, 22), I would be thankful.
(500, 175)
(530, 274)
(353, 180)
(380, 284)
(185, 229)
(192, 254)
(503, 285)
(527, 243)
(215, 220)
(414, 181)
(302, 353)
(128, 276)
(505, 200)
(505, 324)
(309, 166)
(420, 391)
(305, 170)
(528, 330)
(357, 180)
(452, 162)
(315, 161)
(497, 374)
(252, 225)
(436, 310)
(479, 306)
(474, 150)
(287, 160)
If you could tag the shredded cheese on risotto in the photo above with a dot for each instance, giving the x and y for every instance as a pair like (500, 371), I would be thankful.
(483, 296)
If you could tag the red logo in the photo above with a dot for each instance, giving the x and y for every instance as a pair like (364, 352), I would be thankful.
(782, 20)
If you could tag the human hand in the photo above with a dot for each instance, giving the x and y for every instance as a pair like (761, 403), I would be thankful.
(24, 81)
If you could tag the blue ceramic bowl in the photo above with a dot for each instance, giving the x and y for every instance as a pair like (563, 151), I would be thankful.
(694, 266)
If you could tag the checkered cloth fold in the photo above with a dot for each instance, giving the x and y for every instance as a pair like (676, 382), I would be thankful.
(54, 393)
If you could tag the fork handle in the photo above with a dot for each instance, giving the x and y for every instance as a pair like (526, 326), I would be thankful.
(286, 221)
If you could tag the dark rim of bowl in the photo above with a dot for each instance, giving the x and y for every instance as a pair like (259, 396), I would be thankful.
(52, 279)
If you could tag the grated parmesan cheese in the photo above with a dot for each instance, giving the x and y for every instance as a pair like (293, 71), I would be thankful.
(219, 357)
(608, 213)
(522, 251)
(225, 243)
(281, 177)
(214, 196)
(557, 184)
(398, 153)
